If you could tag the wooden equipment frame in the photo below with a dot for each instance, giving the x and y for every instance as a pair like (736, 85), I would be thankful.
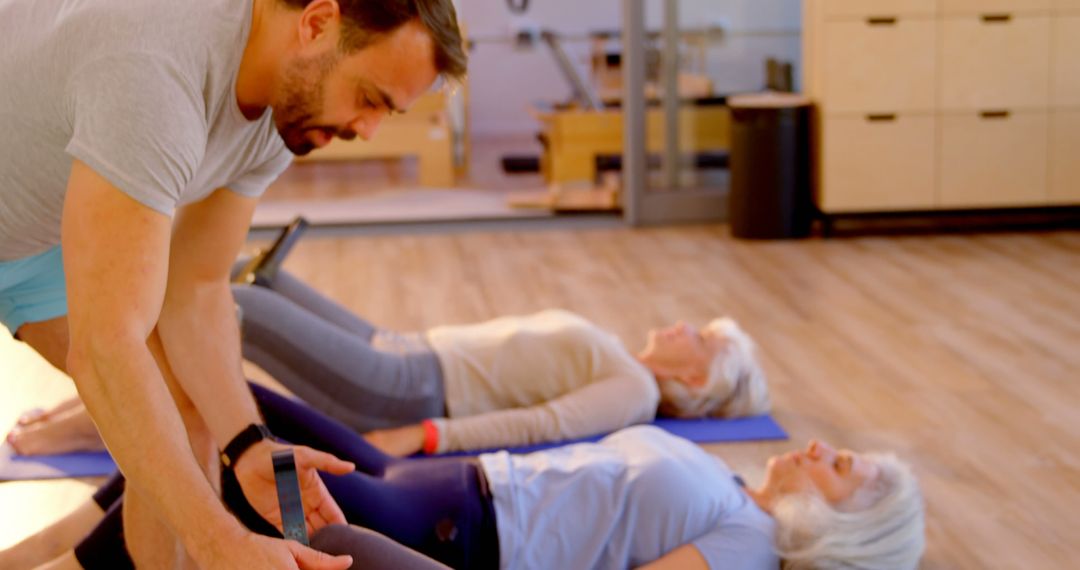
(576, 137)
(424, 132)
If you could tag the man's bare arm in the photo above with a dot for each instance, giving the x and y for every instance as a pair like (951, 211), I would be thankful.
(115, 260)
(198, 325)
(115, 257)
(201, 341)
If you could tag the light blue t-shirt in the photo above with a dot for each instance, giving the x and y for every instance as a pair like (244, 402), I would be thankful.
(624, 502)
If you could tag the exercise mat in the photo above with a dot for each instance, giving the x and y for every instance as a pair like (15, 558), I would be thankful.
(96, 463)
(14, 467)
(705, 430)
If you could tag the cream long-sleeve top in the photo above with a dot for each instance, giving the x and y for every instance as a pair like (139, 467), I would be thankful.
(549, 376)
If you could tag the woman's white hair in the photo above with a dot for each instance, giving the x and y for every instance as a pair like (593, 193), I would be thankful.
(735, 386)
(880, 527)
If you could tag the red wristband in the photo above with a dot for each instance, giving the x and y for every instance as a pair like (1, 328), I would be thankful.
(431, 437)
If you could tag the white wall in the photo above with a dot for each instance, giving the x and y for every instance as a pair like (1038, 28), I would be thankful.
(504, 80)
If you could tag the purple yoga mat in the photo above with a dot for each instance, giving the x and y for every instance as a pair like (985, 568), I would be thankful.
(759, 428)
(709, 430)
(15, 467)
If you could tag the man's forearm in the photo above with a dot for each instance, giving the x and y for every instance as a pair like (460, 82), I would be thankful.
(119, 381)
(201, 340)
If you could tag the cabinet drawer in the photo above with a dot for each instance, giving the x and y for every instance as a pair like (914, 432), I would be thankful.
(993, 161)
(879, 8)
(877, 165)
(954, 7)
(1064, 164)
(879, 67)
(1067, 6)
(1065, 90)
(995, 64)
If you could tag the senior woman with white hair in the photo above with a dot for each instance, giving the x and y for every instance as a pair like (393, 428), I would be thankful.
(511, 381)
(640, 497)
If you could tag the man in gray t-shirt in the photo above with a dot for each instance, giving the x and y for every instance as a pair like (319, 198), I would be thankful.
(138, 136)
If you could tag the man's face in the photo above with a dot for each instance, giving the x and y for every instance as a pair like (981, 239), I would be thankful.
(332, 93)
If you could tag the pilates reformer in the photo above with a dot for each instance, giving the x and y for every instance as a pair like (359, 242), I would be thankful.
(265, 264)
(581, 136)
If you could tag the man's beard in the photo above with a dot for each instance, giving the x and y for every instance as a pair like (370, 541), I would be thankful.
(301, 101)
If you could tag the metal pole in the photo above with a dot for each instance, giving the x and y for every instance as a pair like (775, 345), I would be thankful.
(583, 92)
(633, 108)
(670, 66)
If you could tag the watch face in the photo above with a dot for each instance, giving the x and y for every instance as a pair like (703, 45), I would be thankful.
(288, 488)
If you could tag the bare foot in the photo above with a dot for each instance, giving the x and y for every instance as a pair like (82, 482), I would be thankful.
(30, 416)
(66, 561)
(39, 414)
(30, 553)
(67, 431)
(53, 541)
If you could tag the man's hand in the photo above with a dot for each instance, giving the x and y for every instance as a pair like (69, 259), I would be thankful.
(251, 550)
(255, 472)
(398, 442)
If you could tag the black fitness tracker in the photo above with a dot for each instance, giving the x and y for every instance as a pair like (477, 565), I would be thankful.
(252, 434)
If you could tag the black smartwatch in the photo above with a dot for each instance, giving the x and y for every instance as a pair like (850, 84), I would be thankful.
(252, 434)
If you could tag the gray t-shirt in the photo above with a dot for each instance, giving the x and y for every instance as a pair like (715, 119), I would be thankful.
(141, 91)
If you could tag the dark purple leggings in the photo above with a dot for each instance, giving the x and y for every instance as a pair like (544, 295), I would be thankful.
(104, 547)
(438, 506)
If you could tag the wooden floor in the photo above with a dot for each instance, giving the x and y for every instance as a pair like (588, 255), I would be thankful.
(962, 353)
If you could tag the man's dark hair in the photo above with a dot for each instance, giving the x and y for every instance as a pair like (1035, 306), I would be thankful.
(368, 21)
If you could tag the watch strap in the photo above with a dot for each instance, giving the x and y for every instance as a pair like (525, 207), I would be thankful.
(252, 434)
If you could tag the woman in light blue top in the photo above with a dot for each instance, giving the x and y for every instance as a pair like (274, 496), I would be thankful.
(638, 498)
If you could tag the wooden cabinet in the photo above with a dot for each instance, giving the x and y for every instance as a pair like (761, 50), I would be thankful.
(1065, 158)
(964, 7)
(1065, 49)
(879, 8)
(995, 64)
(993, 159)
(878, 162)
(875, 66)
(1067, 6)
(953, 104)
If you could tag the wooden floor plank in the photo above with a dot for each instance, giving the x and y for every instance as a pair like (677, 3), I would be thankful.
(960, 352)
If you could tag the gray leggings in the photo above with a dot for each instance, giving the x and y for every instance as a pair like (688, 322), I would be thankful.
(371, 550)
(339, 363)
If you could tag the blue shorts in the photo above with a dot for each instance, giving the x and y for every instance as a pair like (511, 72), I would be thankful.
(32, 289)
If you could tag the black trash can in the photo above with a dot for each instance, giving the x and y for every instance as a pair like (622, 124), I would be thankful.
(770, 166)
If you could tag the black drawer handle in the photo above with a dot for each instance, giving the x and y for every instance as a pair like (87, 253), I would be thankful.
(881, 118)
(997, 18)
(881, 20)
(994, 114)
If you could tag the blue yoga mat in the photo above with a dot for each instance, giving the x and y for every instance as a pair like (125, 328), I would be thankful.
(15, 467)
(90, 464)
(709, 430)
